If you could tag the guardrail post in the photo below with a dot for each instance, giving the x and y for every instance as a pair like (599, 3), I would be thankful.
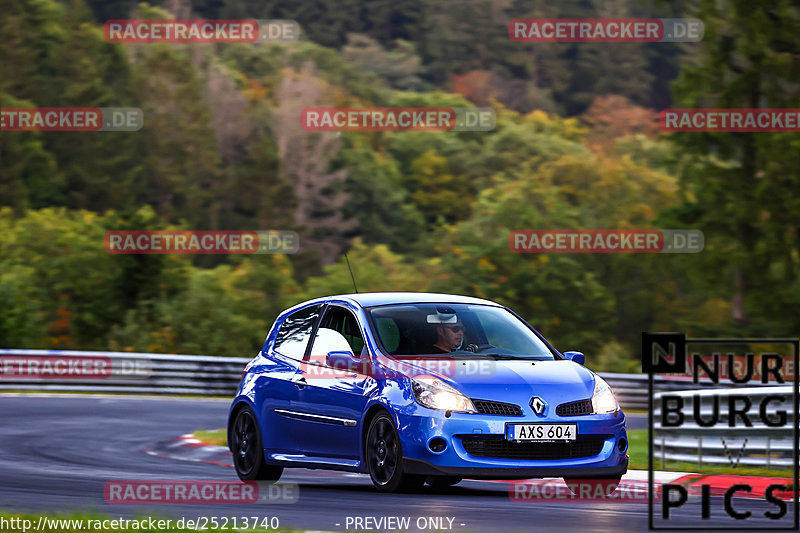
(699, 452)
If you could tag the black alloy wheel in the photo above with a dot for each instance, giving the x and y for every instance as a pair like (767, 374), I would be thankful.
(384, 456)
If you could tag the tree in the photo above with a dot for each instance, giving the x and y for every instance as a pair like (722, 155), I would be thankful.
(54, 56)
(29, 175)
(306, 158)
(578, 300)
(226, 310)
(437, 194)
(377, 198)
(740, 188)
(375, 269)
(400, 67)
(611, 117)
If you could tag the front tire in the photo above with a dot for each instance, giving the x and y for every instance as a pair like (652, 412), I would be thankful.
(384, 456)
(248, 452)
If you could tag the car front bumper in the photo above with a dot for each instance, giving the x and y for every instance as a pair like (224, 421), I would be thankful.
(419, 425)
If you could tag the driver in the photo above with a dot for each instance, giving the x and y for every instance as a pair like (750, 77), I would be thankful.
(449, 337)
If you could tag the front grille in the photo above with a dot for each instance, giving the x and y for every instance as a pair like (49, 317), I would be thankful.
(581, 407)
(496, 446)
(488, 407)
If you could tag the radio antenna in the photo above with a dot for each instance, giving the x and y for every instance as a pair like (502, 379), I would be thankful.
(351, 272)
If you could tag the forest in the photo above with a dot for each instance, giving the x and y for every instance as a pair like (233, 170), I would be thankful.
(577, 144)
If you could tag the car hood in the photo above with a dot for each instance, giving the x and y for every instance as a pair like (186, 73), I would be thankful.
(517, 382)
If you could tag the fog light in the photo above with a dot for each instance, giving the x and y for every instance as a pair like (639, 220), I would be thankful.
(437, 445)
(623, 444)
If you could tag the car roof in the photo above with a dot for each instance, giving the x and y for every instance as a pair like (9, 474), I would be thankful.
(369, 299)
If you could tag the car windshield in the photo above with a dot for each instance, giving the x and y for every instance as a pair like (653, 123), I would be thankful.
(459, 330)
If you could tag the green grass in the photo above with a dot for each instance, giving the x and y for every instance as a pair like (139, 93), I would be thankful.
(212, 436)
(88, 523)
(637, 450)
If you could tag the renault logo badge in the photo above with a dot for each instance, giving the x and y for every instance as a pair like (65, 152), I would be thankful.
(537, 404)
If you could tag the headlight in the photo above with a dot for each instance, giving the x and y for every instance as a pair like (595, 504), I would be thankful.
(603, 400)
(436, 394)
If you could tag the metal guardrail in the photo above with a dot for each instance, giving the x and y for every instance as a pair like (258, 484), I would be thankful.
(758, 444)
(147, 373)
(136, 373)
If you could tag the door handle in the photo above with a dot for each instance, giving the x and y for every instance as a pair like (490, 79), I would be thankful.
(300, 381)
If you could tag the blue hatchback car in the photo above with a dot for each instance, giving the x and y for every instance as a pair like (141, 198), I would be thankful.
(416, 387)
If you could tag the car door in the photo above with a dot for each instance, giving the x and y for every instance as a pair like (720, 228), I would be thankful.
(333, 399)
(280, 391)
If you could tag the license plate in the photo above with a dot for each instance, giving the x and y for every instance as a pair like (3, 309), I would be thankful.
(542, 432)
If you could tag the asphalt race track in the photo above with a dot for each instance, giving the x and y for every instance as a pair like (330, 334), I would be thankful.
(57, 453)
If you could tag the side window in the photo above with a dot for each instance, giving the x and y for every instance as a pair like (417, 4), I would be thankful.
(338, 331)
(293, 336)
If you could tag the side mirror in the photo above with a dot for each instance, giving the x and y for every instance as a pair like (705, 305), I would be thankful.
(341, 360)
(576, 357)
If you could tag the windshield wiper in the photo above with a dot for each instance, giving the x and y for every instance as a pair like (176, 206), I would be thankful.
(497, 356)
(505, 356)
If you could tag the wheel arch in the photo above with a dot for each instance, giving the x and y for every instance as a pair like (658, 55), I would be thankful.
(374, 410)
(239, 404)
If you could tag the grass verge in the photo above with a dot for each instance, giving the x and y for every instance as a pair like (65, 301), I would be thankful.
(218, 437)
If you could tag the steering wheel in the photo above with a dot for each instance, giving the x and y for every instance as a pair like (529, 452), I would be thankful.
(474, 348)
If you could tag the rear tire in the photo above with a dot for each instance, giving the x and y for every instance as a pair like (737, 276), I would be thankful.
(248, 452)
(384, 456)
(593, 487)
